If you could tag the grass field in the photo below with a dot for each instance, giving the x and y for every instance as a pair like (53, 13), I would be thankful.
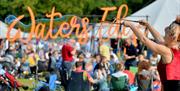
(30, 83)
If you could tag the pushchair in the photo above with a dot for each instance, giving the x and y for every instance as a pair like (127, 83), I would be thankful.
(4, 84)
(8, 82)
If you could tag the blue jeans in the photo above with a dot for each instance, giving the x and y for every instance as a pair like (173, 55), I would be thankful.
(67, 66)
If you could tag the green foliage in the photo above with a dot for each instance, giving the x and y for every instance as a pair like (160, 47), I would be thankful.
(74, 7)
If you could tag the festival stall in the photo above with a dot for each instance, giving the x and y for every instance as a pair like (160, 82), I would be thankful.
(4, 30)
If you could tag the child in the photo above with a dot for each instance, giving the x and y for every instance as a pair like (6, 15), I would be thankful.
(144, 77)
(119, 80)
(101, 75)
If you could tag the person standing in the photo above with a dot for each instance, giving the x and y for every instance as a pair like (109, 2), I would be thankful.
(104, 50)
(131, 53)
(80, 79)
(67, 55)
(169, 49)
(32, 61)
(1, 49)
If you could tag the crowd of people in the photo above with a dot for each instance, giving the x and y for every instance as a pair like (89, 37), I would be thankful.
(128, 68)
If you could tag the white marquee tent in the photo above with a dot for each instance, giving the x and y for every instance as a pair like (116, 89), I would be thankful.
(4, 30)
(108, 30)
(160, 14)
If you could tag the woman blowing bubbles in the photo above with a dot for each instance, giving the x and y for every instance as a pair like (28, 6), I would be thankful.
(168, 47)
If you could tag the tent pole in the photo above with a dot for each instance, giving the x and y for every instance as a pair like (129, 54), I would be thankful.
(146, 34)
(118, 37)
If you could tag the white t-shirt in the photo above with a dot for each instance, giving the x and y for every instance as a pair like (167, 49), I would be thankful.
(115, 57)
(78, 46)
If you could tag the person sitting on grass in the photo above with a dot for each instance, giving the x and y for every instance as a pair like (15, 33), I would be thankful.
(119, 80)
(50, 82)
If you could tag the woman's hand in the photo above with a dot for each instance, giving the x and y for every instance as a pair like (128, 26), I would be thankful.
(99, 74)
(143, 22)
(127, 23)
(103, 72)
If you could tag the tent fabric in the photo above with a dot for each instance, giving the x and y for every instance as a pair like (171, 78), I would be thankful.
(160, 14)
(4, 30)
(108, 30)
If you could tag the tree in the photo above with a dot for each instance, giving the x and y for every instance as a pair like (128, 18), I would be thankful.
(73, 7)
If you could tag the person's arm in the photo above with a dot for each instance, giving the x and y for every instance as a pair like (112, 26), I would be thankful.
(164, 51)
(73, 52)
(104, 73)
(153, 31)
(136, 80)
(128, 57)
(156, 75)
(90, 79)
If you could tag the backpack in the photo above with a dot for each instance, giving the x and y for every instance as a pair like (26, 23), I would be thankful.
(78, 82)
(120, 83)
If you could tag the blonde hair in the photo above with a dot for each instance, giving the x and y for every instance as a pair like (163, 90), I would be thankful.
(120, 66)
(176, 25)
(172, 26)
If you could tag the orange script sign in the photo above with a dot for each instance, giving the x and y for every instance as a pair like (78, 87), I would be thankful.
(38, 30)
